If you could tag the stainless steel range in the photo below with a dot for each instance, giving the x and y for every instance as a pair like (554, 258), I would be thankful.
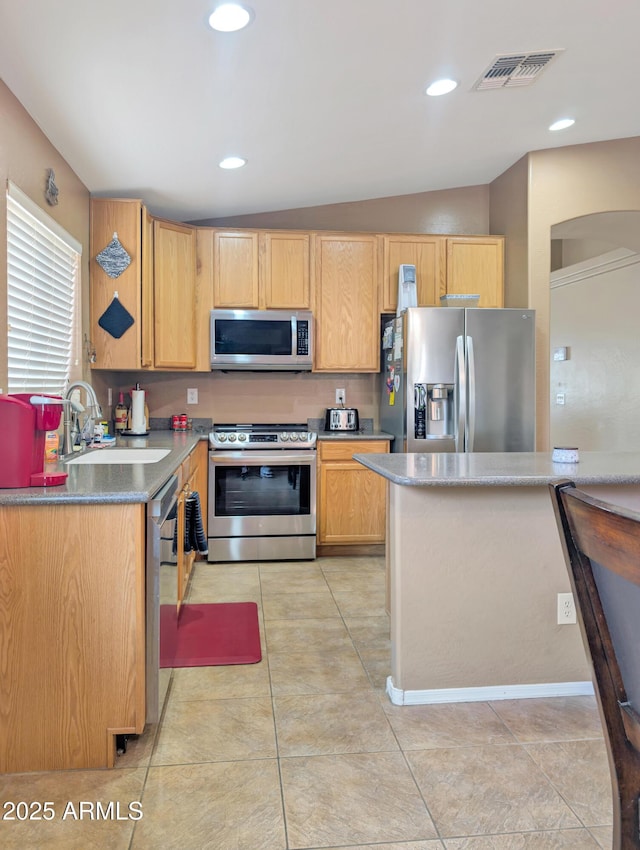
(262, 493)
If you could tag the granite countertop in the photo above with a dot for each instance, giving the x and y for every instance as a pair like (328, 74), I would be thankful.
(504, 469)
(117, 482)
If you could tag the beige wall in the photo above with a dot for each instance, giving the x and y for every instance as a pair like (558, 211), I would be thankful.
(554, 186)
(596, 317)
(458, 211)
(25, 157)
(565, 183)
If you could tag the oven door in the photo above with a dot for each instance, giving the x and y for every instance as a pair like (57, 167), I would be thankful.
(255, 493)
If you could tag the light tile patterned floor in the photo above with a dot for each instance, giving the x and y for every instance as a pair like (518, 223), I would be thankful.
(304, 750)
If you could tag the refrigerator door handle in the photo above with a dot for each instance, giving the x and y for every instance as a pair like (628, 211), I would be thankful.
(471, 376)
(461, 386)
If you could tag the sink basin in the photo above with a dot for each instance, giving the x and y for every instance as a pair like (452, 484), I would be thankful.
(121, 456)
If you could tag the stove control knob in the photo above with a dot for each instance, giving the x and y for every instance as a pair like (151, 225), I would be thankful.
(294, 436)
(304, 437)
(284, 436)
(222, 437)
(232, 438)
(242, 438)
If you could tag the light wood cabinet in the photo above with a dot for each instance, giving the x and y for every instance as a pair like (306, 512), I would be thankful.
(284, 270)
(194, 475)
(73, 614)
(346, 303)
(475, 264)
(124, 217)
(351, 498)
(235, 269)
(427, 254)
(174, 295)
(167, 288)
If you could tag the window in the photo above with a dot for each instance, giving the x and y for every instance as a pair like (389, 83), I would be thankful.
(43, 283)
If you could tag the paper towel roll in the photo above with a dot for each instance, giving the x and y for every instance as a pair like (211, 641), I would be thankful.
(138, 419)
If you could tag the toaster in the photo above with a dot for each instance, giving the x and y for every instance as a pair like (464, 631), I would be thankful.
(341, 419)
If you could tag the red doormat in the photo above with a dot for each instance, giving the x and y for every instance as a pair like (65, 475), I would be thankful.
(210, 635)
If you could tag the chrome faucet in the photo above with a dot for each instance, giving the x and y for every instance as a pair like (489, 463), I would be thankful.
(73, 431)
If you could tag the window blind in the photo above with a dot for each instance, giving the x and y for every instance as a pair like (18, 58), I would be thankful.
(43, 274)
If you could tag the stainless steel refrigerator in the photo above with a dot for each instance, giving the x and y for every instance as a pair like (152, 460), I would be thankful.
(459, 380)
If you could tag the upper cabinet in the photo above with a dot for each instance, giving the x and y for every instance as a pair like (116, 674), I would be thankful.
(166, 288)
(346, 302)
(235, 269)
(475, 264)
(174, 295)
(284, 270)
(427, 254)
(124, 218)
(261, 270)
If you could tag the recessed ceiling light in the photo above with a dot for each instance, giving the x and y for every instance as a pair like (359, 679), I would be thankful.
(229, 17)
(441, 87)
(232, 162)
(562, 124)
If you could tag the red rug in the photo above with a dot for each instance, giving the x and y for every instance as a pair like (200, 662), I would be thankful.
(210, 635)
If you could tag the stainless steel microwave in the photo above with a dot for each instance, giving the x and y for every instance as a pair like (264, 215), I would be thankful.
(262, 339)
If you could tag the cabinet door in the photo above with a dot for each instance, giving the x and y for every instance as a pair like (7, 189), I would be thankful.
(204, 296)
(427, 254)
(235, 269)
(284, 271)
(124, 218)
(147, 291)
(174, 295)
(475, 264)
(346, 298)
(351, 498)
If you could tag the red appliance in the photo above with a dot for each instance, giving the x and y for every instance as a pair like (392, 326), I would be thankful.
(23, 425)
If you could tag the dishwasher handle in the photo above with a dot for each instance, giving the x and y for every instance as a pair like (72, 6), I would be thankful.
(164, 500)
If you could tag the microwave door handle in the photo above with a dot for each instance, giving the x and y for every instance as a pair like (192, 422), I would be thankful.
(461, 391)
(294, 335)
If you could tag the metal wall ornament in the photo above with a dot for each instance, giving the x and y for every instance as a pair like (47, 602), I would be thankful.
(51, 190)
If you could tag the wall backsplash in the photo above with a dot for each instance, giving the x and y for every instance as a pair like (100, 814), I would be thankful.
(230, 397)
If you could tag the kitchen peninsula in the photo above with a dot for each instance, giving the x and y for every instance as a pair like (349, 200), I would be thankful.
(475, 565)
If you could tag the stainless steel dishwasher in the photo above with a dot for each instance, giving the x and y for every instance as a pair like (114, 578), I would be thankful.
(162, 588)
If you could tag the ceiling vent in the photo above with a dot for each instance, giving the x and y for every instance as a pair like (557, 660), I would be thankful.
(519, 69)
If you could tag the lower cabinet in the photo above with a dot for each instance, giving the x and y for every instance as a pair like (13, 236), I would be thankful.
(351, 498)
(194, 477)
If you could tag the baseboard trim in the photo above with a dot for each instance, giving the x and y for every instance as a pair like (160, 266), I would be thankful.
(486, 694)
(335, 550)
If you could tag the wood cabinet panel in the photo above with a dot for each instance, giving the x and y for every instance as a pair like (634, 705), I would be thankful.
(124, 217)
(72, 631)
(475, 264)
(346, 299)
(235, 269)
(351, 499)
(284, 270)
(427, 254)
(174, 295)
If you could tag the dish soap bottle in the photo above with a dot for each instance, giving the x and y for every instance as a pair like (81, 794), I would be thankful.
(120, 415)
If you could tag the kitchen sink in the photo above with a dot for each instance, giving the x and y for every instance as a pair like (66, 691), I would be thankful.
(121, 456)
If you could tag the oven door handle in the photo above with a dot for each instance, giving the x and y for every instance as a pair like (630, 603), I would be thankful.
(251, 458)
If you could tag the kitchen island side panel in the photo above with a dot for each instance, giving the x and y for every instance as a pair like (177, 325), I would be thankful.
(475, 572)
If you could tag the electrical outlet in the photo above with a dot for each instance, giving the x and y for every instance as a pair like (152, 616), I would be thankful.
(192, 396)
(341, 396)
(109, 397)
(559, 398)
(566, 609)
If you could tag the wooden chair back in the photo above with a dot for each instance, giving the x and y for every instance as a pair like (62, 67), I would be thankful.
(601, 544)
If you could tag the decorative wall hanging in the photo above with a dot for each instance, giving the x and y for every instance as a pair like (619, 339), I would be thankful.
(116, 319)
(51, 191)
(113, 259)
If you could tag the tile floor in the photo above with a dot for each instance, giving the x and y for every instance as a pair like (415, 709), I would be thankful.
(304, 750)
